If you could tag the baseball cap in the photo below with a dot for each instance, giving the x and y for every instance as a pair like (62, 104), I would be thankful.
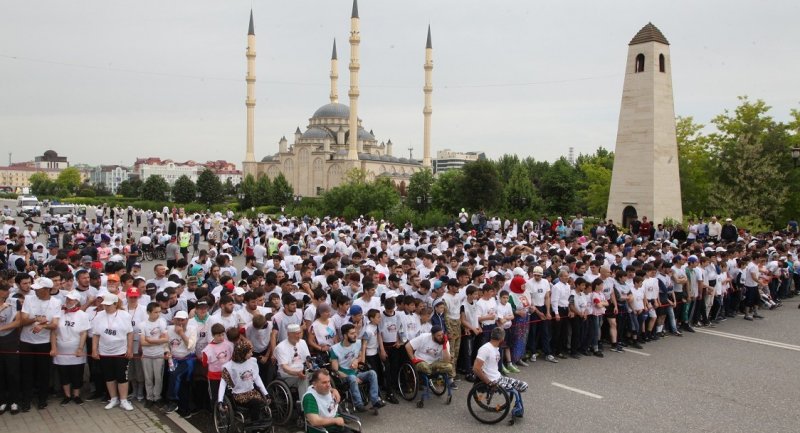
(110, 299)
(692, 259)
(538, 270)
(133, 292)
(137, 265)
(355, 310)
(113, 277)
(74, 295)
(239, 291)
(162, 297)
(181, 315)
(42, 283)
(293, 328)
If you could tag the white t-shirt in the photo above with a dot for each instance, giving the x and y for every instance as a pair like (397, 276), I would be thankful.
(638, 298)
(505, 312)
(426, 349)
(153, 330)
(325, 334)
(69, 337)
(490, 356)
(113, 331)
(37, 308)
(285, 353)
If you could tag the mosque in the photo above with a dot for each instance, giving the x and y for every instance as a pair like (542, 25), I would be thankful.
(321, 156)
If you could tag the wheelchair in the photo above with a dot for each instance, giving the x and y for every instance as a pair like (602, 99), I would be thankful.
(409, 382)
(285, 399)
(348, 405)
(489, 404)
(236, 418)
(351, 422)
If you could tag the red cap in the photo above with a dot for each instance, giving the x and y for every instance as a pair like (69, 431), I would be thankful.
(133, 292)
(72, 253)
(229, 285)
(97, 265)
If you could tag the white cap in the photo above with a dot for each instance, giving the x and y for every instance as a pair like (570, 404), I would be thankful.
(239, 291)
(42, 283)
(436, 252)
(74, 295)
(538, 270)
(172, 284)
(491, 274)
(110, 299)
(293, 328)
(181, 315)
(519, 271)
(226, 246)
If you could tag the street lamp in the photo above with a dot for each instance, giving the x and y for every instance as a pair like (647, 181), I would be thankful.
(796, 155)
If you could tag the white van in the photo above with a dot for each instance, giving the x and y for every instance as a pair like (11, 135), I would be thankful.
(28, 205)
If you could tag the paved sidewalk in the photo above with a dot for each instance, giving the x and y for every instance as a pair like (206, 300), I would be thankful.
(89, 418)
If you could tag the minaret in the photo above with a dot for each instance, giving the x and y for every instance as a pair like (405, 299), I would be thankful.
(355, 40)
(250, 102)
(334, 75)
(428, 110)
(645, 180)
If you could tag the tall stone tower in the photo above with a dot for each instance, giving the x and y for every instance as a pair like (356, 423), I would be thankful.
(355, 40)
(645, 180)
(249, 165)
(428, 110)
(334, 75)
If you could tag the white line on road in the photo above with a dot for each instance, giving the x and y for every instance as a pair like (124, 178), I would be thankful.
(579, 391)
(750, 339)
(635, 351)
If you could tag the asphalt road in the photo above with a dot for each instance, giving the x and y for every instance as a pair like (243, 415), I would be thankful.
(727, 379)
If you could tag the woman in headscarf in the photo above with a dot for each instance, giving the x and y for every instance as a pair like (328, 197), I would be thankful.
(521, 303)
(241, 374)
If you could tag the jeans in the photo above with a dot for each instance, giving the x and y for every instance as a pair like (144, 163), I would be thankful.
(183, 371)
(594, 331)
(369, 377)
(673, 326)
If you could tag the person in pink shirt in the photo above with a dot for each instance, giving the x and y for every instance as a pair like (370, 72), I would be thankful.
(215, 355)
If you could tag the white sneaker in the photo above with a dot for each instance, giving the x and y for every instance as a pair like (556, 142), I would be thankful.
(125, 404)
(114, 402)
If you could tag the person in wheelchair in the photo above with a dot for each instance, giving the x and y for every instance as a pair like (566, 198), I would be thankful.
(486, 369)
(430, 353)
(346, 358)
(291, 355)
(321, 406)
(247, 388)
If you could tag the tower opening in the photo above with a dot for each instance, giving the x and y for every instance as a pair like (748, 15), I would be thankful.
(662, 64)
(628, 215)
(639, 67)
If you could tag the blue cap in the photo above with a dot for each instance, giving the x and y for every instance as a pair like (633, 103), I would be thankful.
(355, 310)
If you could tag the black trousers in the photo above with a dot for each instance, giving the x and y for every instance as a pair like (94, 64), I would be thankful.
(560, 332)
(35, 370)
(9, 373)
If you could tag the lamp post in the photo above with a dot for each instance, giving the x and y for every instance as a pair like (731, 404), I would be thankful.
(424, 201)
(796, 155)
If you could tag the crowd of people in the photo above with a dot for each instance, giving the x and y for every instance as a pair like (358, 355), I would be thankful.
(477, 300)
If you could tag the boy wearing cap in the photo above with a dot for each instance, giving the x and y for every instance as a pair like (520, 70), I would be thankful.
(40, 316)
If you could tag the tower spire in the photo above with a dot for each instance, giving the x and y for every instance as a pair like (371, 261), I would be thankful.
(334, 75)
(428, 110)
(355, 41)
(250, 101)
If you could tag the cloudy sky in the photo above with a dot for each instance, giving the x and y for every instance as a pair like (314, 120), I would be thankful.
(106, 81)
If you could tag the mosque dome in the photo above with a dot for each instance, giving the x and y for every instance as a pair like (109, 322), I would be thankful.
(339, 111)
(316, 134)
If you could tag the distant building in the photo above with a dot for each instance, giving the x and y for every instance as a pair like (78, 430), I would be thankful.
(110, 176)
(447, 159)
(50, 160)
(171, 170)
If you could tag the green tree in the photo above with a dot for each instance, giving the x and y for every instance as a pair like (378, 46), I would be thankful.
(69, 179)
(750, 148)
(696, 166)
(262, 195)
(184, 190)
(247, 191)
(40, 183)
(597, 181)
(519, 193)
(506, 166)
(281, 193)
(559, 187)
(446, 192)
(355, 197)
(228, 188)
(130, 188)
(101, 190)
(155, 188)
(480, 186)
(419, 195)
(210, 188)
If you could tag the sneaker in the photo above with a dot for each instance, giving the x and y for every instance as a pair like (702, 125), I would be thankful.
(551, 358)
(93, 396)
(522, 363)
(113, 403)
(598, 353)
(453, 386)
(3, 408)
(750, 318)
(758, 316)
(14, 409)
(392, 399)
(361, 408)
(171, 407)
(504, 371)
(25, 407)
(533, 357)
(636, 345)
(689, 329)
(77, 400)
(42, 405)
(65, 401)
(562, 356)
(380, 403)
(617, 348)
(676, 334)
(125, 404)
(510, 367)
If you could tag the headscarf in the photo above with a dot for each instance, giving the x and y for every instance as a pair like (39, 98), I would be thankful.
(241, 350)
(517, 284)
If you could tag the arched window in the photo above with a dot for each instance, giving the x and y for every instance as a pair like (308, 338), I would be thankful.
(662, 63)
(639, 63)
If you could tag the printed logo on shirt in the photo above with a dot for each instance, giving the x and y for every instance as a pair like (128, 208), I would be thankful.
(246, 375)
(155, 332)
(391, 327)
(222, 355)
(176, 342)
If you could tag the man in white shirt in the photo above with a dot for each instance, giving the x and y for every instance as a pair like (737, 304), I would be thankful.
(430, 353)
(486, 369)
(39, 317)
(291, 355)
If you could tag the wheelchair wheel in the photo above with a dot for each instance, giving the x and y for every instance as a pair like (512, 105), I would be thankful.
(147, 256)
(438, 385)
(489, 405)
(223, 421)
(281, 406)
(407, 382)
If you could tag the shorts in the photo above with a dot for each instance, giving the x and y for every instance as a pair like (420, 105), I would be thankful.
(751, 296)
(115, 368)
